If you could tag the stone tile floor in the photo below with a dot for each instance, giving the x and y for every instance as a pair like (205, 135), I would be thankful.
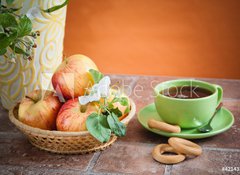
(131, 154)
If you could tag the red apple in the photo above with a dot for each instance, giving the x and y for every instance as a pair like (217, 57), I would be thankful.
(72, 77)
(72, 117)
(39, 109)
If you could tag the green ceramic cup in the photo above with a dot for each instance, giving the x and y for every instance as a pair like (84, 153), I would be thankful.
(187, 113)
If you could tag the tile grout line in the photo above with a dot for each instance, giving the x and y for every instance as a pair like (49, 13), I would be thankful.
(45, 168)
(92, 162)
(168, 170)
(230, 99)
(222, 149)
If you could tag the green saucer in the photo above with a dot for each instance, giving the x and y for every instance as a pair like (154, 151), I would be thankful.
(220, 123)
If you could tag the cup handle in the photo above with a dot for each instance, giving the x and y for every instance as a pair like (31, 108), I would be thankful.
(220, 94)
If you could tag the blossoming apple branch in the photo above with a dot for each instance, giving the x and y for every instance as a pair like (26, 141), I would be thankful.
(106, 121)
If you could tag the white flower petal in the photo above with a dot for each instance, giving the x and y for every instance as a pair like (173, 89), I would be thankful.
(94, 89)
(83, 100)
(34, 12)
(105, 81)
(97, 91)
(104, 91)
(94, 97)
(104, 84)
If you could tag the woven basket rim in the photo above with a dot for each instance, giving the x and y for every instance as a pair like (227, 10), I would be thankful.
(31, 129)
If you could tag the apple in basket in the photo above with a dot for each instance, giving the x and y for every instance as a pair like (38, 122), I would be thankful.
(72, 116)
(39, 109)
(72, 76)
(99, 110)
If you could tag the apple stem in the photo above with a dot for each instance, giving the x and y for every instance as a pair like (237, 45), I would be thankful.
(83, 108)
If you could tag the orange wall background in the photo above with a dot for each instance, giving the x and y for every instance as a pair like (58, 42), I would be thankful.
(196, 38)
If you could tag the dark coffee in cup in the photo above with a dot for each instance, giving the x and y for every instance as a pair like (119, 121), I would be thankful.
(186, 92)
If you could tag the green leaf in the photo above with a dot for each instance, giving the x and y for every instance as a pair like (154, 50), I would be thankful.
(124, 101)
(116, 111)
(24, 26)
(5, 40)
(96, 75)
(118, 128)
(1, 29)
(110, 106)
(127, 110)
(10, 1)
(9, 10)
(52, 9)
(3, 51)
(116, 99)
(8, 20)
(98, 127)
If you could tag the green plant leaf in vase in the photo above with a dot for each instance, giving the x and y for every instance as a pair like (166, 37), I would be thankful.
(8, 24)
(3, 51)
(24, 26)
(57, 7)
(10, 1)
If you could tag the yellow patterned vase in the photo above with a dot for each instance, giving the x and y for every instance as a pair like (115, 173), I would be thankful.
(24, 76)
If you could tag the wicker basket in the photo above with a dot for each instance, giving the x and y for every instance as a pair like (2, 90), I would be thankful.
(64, 142)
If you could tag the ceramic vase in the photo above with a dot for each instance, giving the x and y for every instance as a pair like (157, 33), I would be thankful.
(24, 76)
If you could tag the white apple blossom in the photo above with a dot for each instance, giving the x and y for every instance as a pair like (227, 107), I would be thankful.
(98, 91)
(34, 12)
